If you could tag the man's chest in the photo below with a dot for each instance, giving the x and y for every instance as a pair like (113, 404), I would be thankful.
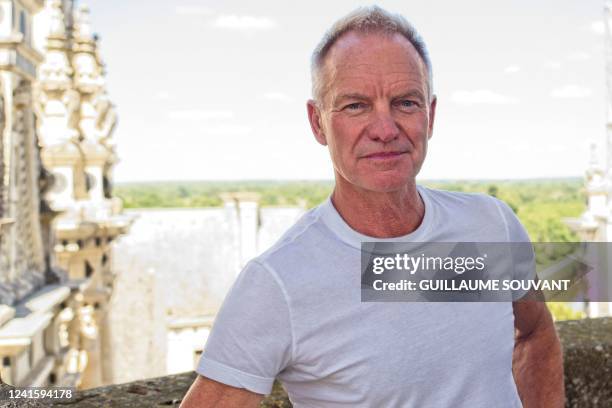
(403, 346)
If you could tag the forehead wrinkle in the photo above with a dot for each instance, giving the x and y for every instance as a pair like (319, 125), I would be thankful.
(384, 79)
(382, 86)
(409, 71)
(380, 67)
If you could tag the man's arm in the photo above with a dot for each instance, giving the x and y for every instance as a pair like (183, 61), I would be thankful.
(537, 363)
(207, 393)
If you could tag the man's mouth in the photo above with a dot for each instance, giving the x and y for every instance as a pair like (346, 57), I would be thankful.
(384, 155)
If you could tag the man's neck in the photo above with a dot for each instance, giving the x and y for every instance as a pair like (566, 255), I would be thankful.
(379, 215)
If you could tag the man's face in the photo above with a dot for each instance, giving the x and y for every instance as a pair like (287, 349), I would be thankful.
(375, 114)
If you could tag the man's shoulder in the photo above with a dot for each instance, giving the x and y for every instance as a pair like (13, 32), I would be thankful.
(475, 211)
(303, 233)
(460, 199)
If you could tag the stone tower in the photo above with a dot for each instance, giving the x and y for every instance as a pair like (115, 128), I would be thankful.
(595, 224)
(58, 217)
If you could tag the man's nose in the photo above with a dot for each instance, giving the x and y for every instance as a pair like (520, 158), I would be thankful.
(383, 126)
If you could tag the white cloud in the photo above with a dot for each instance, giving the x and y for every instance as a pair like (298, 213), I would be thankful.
(244, 23)
(200, 114)
(512, 69)
(481, 96)
(277, 96)
(227, 130)
(192, 10)
(571, 91)
(579, 56)
(598, 27)
(162, 96)
(552, 65)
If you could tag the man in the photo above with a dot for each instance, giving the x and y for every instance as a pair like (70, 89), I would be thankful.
(295, 313)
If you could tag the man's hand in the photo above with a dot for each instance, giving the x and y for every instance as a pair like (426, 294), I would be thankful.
(206, 393)
(537, 362)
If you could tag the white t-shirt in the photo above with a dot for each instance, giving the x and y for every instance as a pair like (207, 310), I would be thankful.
(295, 313)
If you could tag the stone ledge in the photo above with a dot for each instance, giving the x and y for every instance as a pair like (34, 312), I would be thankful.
(587, 355)
(587, 346)
(155, 392)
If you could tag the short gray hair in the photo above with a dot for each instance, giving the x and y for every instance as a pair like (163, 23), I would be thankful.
(365, 20)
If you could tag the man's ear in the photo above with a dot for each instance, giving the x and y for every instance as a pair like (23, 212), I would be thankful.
(432, 115)
(314, 117)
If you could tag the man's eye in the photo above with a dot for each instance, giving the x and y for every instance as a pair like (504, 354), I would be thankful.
(354, 106)
(407, 104)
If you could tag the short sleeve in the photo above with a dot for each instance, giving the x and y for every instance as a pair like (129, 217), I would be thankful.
(251, 339)
(514, 229)
(523, 256)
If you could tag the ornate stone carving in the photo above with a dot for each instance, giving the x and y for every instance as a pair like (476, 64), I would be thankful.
(60, 153)
(106, 120)
(54, 73)
(6, 295)
(2, 169)
(88, 73)
(29, 259)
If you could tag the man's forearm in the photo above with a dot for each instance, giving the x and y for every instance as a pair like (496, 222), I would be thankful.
(537, 365)
(207, 393)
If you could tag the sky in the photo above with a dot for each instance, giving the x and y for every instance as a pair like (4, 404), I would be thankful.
(217, 90)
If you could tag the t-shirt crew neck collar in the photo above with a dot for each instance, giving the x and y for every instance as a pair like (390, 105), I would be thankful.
(346, 233)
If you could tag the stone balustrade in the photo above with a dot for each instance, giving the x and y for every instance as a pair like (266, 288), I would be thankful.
(587, 348)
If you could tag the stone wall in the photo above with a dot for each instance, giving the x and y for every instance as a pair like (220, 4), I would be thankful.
(587, 348)
(587, 353)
